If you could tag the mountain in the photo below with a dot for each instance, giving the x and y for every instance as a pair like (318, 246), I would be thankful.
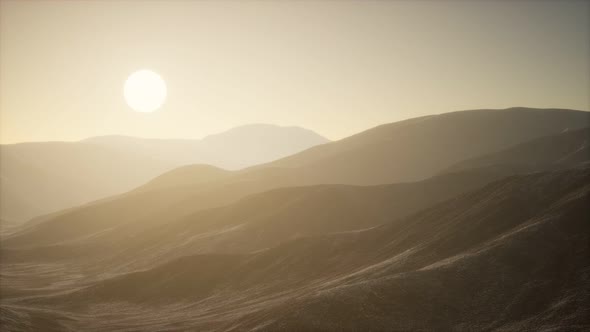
(202, 209)
(479, 244)
(255, 222)
(512, 256)
(398, 152)
(418, 148)
(256, 144)
(38, 178)
(509, 256)
(185, 191)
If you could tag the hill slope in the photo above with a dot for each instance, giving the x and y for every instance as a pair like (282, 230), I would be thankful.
(185, 191)
(566, 149)
(38, 178)
(512, 255)
(513, 258)
(419, 148)
(253, 223)
(201, 248)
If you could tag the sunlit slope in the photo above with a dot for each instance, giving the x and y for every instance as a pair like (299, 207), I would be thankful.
(233, 149)
(38, 178)
(510, 255)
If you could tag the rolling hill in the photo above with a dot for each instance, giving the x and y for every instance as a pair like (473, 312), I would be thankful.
(495, 240)
(509, 256)
(39, 178)
(418, 148)
(187, 190)
(255, 222)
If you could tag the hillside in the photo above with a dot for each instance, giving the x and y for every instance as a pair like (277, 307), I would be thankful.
(421, 147)
(185, 191)
(495, 241)
(522, 239)
(510, 257)
(39, 178)
(256, 222)
(566, 149)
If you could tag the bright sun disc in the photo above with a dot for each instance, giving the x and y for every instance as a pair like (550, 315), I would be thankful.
(145, 91)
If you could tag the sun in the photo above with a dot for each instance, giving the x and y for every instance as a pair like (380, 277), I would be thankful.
(145, 91)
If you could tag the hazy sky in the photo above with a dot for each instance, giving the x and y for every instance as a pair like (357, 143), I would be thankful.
(336, 67)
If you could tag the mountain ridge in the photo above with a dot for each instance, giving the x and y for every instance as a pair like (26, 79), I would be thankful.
(495, 238)
(39, 178)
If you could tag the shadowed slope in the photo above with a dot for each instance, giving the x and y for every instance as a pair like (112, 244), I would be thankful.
(21, 319)
(404, 149)
(255, 222)
(39, 178)
(185, 191)
(305, 258)
(510, 255)
(563, 150)
(419, 148)
(186, 176)
(530, 272)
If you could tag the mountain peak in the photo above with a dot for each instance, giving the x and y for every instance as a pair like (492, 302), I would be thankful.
(265, 130)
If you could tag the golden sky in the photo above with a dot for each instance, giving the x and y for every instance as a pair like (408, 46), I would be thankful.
(336, 67)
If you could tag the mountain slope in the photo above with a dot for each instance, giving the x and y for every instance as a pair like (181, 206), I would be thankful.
(185, 191)
(38, 178)
(512, 255)
(253, 223)
(419, 148)
(529, 272)
(437, 254)
(566, 149)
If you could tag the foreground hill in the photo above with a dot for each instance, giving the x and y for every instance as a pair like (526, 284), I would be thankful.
(38, 178)
(510, 256)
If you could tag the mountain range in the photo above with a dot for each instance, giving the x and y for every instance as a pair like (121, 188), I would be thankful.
(472, 220)
(43, 177)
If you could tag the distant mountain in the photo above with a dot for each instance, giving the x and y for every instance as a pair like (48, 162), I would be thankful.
(233, 149)
(414, 149)
(509, 256)
(257, 143)
(38, 178)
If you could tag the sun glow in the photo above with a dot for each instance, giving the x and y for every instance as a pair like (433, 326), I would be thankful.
(145, 91)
